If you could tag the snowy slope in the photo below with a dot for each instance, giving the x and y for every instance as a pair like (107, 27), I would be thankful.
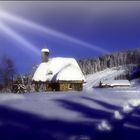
(107, 74)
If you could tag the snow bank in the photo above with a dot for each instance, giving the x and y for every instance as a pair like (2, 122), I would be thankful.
(10, 97)
(118, 115)
(104, 126)
(134, 102)
(127, 108)
(116, 83)
(136, 83)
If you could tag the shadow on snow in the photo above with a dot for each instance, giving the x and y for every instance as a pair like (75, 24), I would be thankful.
(15, 124)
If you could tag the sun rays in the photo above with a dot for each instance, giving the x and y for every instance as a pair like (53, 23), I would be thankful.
(50, 32)
(19, 38)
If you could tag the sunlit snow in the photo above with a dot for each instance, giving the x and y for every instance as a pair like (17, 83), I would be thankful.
(91, 113)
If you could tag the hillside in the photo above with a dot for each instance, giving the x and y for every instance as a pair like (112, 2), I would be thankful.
(93, 65)
(92, 80)
(115, 73)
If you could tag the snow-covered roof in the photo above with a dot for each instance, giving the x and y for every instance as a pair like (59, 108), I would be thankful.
(45, 50)
(57, 69)
(116, 82)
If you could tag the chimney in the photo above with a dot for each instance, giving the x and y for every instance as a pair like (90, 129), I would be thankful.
(45, 54)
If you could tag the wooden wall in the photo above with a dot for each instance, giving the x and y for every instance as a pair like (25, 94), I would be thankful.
(69, 86)
(59, 86)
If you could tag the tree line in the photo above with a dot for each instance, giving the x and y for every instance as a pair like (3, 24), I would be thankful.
(89, 66)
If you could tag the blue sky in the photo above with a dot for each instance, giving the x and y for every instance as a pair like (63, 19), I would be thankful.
(68, 29)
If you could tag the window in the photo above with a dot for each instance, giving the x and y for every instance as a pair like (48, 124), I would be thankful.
(50, 73)
(69, 86)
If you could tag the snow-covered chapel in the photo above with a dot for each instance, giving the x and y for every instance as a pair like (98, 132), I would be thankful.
(58, 74)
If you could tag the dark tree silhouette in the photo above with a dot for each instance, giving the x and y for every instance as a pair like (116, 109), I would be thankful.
(135, 73)
(124, 58)
(7, 70)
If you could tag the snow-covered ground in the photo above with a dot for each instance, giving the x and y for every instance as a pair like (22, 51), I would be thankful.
(73, 115)
(107, 74)
(93, 113)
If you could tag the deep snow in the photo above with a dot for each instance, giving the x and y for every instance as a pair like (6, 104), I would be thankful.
(94, 113)
(116, 83)
(92, 80)
(74, 115)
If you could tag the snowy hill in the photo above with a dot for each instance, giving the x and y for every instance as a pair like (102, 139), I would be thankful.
(92, 80)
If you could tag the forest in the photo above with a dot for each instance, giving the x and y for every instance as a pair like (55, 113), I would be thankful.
(124, 58)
